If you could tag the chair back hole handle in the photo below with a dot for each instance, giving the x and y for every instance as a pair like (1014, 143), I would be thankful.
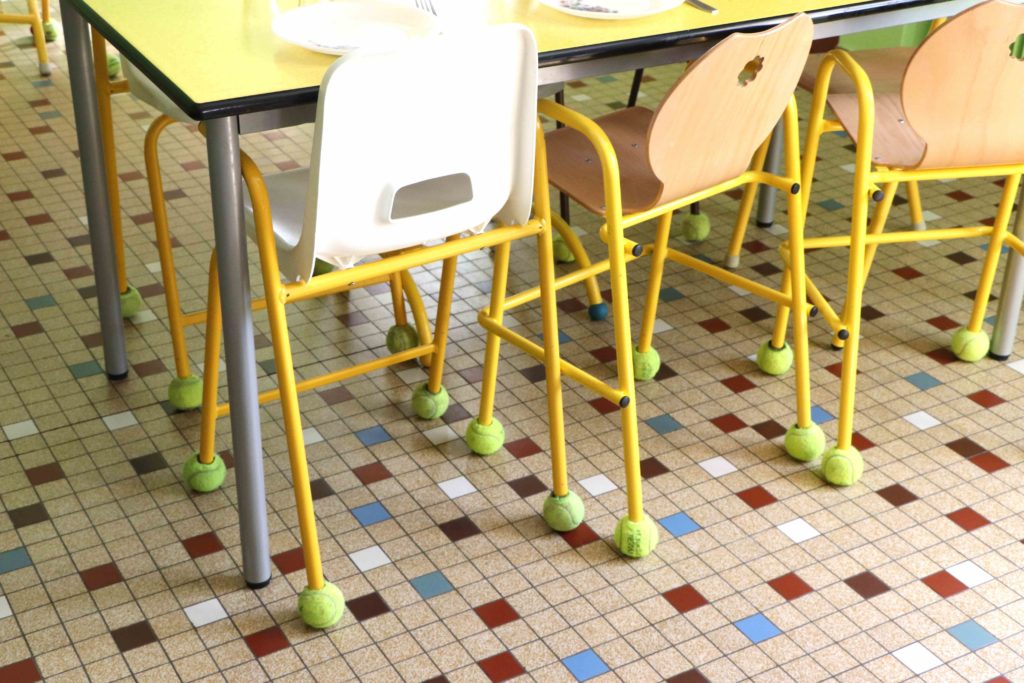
(750, 71)
(428, 196)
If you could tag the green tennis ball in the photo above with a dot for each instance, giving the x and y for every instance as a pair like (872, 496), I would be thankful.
(113, 66)
(970, 346)
(485, 439)
(696, 227)
(805, 443)
(563, 513)
(773, 361)
(401, 338)
(321, 608)
(646, 363)
(131, 302)
(842, 466)
(428, 405)
(203, 477)
(636, 539)
(185, 393)
(562, 252)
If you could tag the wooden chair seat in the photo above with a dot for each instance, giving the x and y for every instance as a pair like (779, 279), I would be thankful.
(574, 168)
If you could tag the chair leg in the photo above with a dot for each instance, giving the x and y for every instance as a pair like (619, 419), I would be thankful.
(971, 343)
(597, 308)
(775, 356)
(205, 470)
(636, 534)
(401, 336)
(646, 359)
(39, 39)
(430, 400)
(914, 202)
(419, 314)
(485, 433)
(185, 391)
(739, 231)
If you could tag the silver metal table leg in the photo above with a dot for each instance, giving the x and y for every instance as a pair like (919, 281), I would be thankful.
(766, 193)
(1005, 330)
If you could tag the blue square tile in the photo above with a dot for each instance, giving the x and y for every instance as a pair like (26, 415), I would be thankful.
(663, 424)
(585, 665)
(606, 79)
(269, 366)
(373, 436)
(972, 635)
(758, 628)
(12, 560)
(431, 585)
(991, 320)
(830, 204)
(671, 294)
(50, 115)
(923, 381)
(371, 514)
(37, 302)
(679, 524)
(820, 415)
(42, 84)
(86, 369)
(563, 338)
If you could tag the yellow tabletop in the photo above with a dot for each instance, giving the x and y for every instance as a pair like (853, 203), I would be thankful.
(211, 51)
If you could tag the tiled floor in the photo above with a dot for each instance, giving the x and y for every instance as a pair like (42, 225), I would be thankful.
(110, 568)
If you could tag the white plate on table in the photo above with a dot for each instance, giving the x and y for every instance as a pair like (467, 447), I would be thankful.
(335, 28)
(611, 9)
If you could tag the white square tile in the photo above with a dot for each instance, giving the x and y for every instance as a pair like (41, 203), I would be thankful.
(917, 658)
(580, 97)
(798, 530)
(207, 612)
(776, 229)
(930, 216)
(120, 420)
(143, 316)
(661, 326)
(739, 290)
(717, 466)
(440, 435)
(413, 375)
(849, 168)
(369, 558)
(311, 436)
(598, 484)
(928, 243)
(5, 608)
(969, 574)
(153, 267)
(20, 429)
(1017, 365)
(457, 487)
(921, 420)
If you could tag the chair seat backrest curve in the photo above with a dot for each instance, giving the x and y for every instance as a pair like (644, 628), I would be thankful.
(414, 145)
(724, 106)
(963, 89)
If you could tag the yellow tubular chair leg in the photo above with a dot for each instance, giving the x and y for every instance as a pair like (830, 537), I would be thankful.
(646, 360)
(597, 309)
(401, 336)
(185, 391)
(815, 129)
(485, 434)
(430, 400)
(321, 605)
(205, 470)
(739, 231)
(398, 299)
(971, 343)
(775, 356)
(39, 38)
(914, 202)
(419, 314)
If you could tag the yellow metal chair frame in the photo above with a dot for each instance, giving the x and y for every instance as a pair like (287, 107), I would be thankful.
(843, 464)
(319, 603)
(40, 24)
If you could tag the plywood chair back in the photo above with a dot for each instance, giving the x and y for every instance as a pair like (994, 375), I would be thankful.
(425, 160)
(963, 90)
(724, 106)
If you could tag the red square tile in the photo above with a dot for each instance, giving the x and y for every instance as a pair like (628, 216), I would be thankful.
(685, 598)
(967, 519)
(897, 495)
(571, 305)
(43, 474)
(26, 329)
(908, 273)
(605, 354)
(496, 613)
(944, 583)
(501, 667)
(652, 467)
(959, 195)
(523, 448)
(867, 585)
(580, 536)
(790, 586)
(942, 356)
(101, 576)
(738, 383)
(728, 423)
(989, 462)
(371, 473)
(755, 246)
(267, 641)
(714, 325)
(757, 497)
(943, 323)
(603, 406)
(689, 676)
(986, 399)
(24, 671)
(965, 447)
(861, 442)
(203, 544)
(289, 561)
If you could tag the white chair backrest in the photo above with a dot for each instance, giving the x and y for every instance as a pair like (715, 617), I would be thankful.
(420, 143)
(963, 90)
(723, 107)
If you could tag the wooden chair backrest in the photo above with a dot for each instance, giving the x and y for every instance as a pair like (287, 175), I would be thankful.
(963, 90)
(718, 113)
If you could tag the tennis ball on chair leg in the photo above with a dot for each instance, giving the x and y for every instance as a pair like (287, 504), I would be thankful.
(185, 393)
(646, 363)
(402, 338)
(321, 608)
(773, 361)
(696, 227)
(428, 405)
(636, 539)
(202, 477)
(970, 346)
(563, 254)
(805, 443)
(842, 466)
(485, 439)
(563, 513)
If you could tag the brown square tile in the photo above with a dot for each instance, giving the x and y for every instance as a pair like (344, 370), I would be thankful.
(501, 667)
(738, 383)
(965, 447)
(664, 372)
(153, 289)
(289, 561)
(943, 323)
(352, 318)
(757, 497)
(43, 474)
(92, 340)
(571, 305)
(367, 606)
(605, 354)
(267, 641)
(897, 495)
(149, 367)
(986, 399)
(755, 314)
(26, 329)
(685, 598)
(728, 423)
(769, 429)
(101, 576)
(77, 272)
(870, 313)
(989, 462)
(455, 413)
(203, 544)
(496, 613)
(335, 395)
(755, 246)
(473, 375)
(23, 671)
(652, 467)
(460, 528)
(767, 269)
(133, 636)
(371, 473)
(534, 373)
(28, 515)
(580, 536)
(319, 488)
(714, 325)
(691, 676)
(942, 356)
(603, 406)
(967, 519)
(144, 464)
(523, 448)
(790, 586)
(866, 585)
(908, 273)
(528, 486)
(944, 583)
